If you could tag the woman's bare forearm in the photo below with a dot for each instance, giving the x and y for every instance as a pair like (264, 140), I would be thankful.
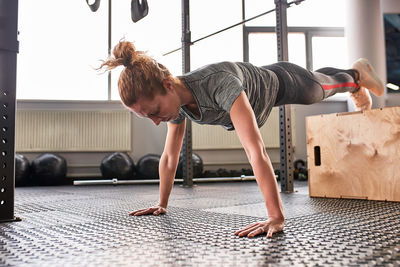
(246, 127)
(265, 177)
(167, 172)
(169, 160)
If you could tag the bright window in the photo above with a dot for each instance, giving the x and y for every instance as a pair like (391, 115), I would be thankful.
(329, 51)
(210, 16)
(310, 13)
(263, 49)
(60, 45)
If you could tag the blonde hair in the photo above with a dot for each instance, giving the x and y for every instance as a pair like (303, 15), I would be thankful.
(142, 75)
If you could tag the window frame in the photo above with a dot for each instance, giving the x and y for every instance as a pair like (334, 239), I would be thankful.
(309, 33)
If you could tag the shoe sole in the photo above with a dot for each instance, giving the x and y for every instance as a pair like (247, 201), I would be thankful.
(374, 84)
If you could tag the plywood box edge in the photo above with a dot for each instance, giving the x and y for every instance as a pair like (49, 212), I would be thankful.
(350, 112)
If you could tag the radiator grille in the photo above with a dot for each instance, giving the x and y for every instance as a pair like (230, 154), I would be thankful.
(62, 131)
(206, 137)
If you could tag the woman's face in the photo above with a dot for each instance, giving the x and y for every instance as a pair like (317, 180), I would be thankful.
(160, 108)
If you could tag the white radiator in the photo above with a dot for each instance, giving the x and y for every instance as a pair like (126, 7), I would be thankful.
(69, 131)
(206, 137)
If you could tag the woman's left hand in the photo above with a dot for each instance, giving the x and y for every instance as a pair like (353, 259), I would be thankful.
(268, 227)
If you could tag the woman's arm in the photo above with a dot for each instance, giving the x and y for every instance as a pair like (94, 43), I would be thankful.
(246, 127)
(167, 168)
(169, 160)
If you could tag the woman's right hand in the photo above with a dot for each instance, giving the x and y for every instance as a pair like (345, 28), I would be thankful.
(156, 210)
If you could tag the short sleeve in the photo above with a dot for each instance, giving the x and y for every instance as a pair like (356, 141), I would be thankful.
(228, 91)
(178, 120)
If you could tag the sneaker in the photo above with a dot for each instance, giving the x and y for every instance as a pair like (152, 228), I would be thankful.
(368, 78)
(362, 99)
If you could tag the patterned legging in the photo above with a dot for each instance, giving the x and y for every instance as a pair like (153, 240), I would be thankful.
(300, 86)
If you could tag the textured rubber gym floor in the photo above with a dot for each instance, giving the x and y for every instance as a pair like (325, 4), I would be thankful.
(90, 226)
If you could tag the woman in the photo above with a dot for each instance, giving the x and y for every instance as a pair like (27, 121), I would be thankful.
(237, 96)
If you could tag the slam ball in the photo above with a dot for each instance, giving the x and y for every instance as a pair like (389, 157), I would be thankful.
(22, 170)
(148, 166)
(118, 165)
(49, 169)
(197, 166)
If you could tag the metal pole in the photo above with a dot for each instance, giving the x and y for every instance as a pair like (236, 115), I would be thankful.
(197, 180)
(285, 131)
(309, 63)
(245, 34)
(109, 47)
(8, 72)
(187, 141)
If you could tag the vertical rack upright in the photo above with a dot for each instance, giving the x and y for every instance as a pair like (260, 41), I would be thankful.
(8, 72)
(187, 142)
(285, 130)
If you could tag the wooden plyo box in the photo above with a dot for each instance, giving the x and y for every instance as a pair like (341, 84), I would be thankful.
(355, 155)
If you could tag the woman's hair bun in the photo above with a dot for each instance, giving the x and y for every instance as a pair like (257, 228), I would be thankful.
(124, 52)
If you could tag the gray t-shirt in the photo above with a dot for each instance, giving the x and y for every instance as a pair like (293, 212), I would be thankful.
(216, 86)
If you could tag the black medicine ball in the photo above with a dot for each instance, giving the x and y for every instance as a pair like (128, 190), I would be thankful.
(148, 166)
(118, 165)
(49, 169)
(197, 166)
(22, 170)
